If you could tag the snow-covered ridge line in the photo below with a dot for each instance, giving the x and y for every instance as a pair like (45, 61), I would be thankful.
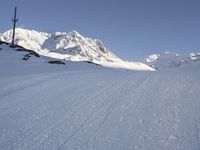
(70, 46)
(170, 60)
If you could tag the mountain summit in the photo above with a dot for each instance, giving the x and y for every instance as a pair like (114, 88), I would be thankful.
(69, 46)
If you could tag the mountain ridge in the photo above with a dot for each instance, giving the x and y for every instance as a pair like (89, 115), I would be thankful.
(169, 60)
(73, 45)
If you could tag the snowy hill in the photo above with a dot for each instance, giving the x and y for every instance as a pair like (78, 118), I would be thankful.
(20, 61)
(70, 46)
(169, 60)
(79, 106)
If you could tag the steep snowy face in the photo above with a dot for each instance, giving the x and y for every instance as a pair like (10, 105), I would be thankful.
(78, 47)
(61, 45)
(170, 60)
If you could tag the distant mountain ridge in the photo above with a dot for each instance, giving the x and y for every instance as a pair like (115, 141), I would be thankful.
(169, 60)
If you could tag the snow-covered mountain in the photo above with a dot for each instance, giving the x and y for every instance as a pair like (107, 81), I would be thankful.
(170, 60)
(70, 46)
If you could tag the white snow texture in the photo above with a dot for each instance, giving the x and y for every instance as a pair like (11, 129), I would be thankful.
(81, 106)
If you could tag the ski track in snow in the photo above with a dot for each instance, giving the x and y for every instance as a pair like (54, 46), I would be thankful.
(96, 110)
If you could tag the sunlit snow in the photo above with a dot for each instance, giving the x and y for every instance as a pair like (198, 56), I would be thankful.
(81, 106)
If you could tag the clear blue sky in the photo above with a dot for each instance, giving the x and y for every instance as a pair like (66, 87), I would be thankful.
(132, 29)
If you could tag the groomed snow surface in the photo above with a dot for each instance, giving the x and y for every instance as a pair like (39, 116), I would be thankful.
(80, 106)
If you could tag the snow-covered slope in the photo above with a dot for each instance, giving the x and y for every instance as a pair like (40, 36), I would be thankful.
(19, 61)
(169, 60)
(69, 107)
(69, 46)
